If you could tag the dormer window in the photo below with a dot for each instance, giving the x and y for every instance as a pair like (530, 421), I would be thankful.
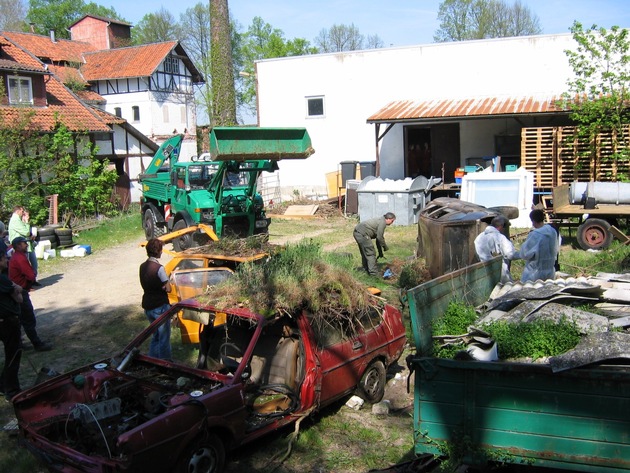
(20, 90)
(171, 64)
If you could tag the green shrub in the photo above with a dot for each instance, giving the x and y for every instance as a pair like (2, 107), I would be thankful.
(536, 339)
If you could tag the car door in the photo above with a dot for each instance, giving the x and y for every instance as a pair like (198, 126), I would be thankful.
(341, 354)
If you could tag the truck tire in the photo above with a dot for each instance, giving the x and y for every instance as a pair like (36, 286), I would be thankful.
(594, 234)
(183, 242)
(150, 221)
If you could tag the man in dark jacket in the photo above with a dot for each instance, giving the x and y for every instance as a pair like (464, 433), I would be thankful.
(156, 287)
(21, 273)
(365, 232)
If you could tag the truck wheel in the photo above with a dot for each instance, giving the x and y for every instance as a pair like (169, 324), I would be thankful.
(150, 223)
(372, 385)
(594, 234)
(183, 242)
(205, 455)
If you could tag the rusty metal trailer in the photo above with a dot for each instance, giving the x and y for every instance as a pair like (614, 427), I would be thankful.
(597, 209)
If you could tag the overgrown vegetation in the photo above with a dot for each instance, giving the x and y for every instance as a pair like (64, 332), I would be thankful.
(34, 165)
(536, 339)
(598, 96)
(531, 340)
(298, 277)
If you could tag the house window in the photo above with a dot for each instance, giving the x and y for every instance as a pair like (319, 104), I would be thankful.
(136, 113)
(315, 106)
(171, 64)
(20, 90)
(118, 112)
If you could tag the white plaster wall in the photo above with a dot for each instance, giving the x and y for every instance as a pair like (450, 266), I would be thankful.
(357, 84)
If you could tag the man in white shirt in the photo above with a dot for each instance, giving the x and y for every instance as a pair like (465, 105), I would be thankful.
(492, 242)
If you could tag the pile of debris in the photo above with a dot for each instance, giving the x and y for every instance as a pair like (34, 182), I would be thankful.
(606, 334)
(297, 277)
(243, 247)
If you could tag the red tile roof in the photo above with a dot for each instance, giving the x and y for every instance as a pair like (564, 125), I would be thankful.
(134, 61)
(63, 106)
(11, 52)
(68, 74)
(90, 97)
(401, 110)
(62, 50)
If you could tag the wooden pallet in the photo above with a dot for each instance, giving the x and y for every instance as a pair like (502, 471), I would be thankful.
(556, 156)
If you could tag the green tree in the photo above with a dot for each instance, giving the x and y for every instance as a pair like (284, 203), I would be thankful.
(462, 20)
(58, 15)
(598, 95)
(340, 38)
(222, 70)
(156, 28)
(262, 41)
(12, 15)
(195, 27)
(34, 165)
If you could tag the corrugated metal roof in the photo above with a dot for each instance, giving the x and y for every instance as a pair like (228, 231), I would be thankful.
(469, 107)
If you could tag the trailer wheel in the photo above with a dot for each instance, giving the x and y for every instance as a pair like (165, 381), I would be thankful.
(594, 234)
(183, 242)
(150, 222)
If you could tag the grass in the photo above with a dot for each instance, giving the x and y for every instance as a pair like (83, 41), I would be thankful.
(108, 233)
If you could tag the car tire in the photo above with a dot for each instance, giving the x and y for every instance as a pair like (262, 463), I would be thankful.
(150, 221)
(45, 231)
(204, 455)
(371, 388)
(183, 242)
(594, 234)
(63, 232)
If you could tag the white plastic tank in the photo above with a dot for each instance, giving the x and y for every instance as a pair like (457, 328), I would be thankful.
(602, 192)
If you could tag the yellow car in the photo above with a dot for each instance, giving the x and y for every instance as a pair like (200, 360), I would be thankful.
(192, 272)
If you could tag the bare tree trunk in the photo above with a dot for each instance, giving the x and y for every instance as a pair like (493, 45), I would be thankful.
(224, 96)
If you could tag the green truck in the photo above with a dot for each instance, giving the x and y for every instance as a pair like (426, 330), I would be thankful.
(219, 188)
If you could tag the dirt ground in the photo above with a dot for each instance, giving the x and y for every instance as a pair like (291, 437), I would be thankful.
(79, 295)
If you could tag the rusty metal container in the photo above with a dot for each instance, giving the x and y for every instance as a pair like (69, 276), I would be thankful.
(447, 229)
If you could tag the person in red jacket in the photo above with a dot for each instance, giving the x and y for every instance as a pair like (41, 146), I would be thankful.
(10, 332)
(21, 273)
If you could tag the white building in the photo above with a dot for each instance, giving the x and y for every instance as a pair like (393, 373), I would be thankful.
(431, 108)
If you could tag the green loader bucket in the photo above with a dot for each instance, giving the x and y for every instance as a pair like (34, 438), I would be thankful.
(254, 143)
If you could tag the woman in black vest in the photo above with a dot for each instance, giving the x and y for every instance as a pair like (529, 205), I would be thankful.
(156, 287)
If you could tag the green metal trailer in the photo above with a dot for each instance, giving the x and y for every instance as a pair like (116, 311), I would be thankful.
(517, 413)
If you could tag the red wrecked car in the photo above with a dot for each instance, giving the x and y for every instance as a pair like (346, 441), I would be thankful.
(249, 376)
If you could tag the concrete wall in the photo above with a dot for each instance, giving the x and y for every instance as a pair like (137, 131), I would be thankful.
(357, 84)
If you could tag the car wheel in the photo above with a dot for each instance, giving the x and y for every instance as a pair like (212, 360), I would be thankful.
(205, 455)
(45, 231)
(594, 234)
(371, 388)
(150, 223)
(183, 242)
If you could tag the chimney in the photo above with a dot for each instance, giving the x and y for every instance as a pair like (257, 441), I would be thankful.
(52, 36)
(32, 25)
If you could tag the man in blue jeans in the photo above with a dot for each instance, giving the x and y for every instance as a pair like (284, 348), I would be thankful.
(156, 287)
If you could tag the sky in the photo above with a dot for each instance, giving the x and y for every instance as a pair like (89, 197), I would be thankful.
(397, 22)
